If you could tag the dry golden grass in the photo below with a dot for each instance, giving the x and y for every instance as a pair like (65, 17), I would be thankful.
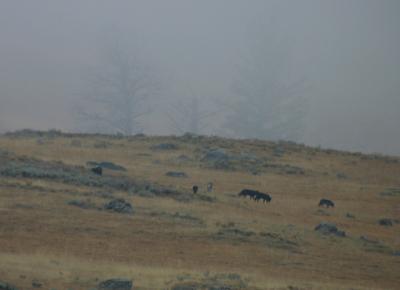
(62, 246)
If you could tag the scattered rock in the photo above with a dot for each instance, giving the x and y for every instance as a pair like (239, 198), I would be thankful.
(24, 167)
(176, 174)
(386, 222)
(36, 284)
(216, 155)
(97, 170)
(119, 205)
(341, 175)
(116, 284)
(218, 159)
(329, 229)
(6, 286)
(164, 146)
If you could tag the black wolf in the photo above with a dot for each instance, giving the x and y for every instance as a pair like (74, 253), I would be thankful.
(248, 192)
(265, 197)
(326, 202)
(256, 195)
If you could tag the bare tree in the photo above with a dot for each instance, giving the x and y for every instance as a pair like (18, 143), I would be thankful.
(120, 91)
(269, 104)
(190, 115)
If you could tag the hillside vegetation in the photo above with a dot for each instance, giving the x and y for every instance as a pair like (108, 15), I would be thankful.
(60, 228)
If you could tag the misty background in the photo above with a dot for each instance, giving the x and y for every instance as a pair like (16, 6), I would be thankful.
(319, 72)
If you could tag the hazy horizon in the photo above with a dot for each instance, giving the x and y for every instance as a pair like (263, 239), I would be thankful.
(346, 51)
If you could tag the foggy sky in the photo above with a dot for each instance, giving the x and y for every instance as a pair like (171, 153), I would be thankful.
(348, 50)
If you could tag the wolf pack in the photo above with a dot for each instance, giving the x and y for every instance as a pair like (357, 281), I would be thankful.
(252, 194)
(256, 195)
(265, 197)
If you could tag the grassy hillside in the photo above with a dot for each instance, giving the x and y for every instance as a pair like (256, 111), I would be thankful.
(56, 232)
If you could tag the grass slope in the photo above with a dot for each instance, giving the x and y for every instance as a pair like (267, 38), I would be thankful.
(177, 239)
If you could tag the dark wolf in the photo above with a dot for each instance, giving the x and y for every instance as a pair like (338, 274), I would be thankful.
(248, 192)
(326, 202)
(265, 197)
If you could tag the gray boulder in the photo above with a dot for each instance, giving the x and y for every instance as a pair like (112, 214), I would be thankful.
(329, 229)
(341, 175)
(6, 286)
(386, 222)
(36, 284)
(216, 155)
(218, 159)
(119, 205)
(164, 146)
(176, 174)
(116, 284)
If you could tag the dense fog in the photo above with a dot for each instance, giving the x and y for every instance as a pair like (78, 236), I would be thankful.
(318, 72)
